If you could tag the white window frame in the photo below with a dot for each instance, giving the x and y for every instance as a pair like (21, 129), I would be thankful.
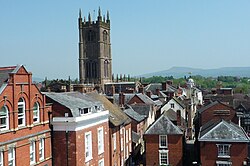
(6, 117)
(88, 146)
(41, 148)
(129, 132)
(114, 141)
(223, 163)
(160, 157)
(101, 162)
(224, 153)
(172, 105)
(126, 136)
(36, 112)
(100, 140)
(32, 152)
(11, 156)
(21, 115)
(161, 138)
(1, 158)
(121, 143)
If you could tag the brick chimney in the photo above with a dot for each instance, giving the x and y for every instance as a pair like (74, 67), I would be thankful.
(148, 93)
(169, 82)
(112, 90)
(141, 89)
(178, 117)
(164, 86)
(121, 99)
(157, 91)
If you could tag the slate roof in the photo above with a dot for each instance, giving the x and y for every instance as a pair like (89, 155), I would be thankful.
(207, 106)
(171, 114)
(127, 97)
(222, 131)
(153, 86)
(134, 115)
(244, 103)
(116, 115)
(141, 109)
(163, 126)
(179, 102)
(72, 101)
(158, 103)
(135, 137)
(5, 71)
(145, 99)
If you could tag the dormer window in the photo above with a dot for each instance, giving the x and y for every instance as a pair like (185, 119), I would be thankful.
(83, 111)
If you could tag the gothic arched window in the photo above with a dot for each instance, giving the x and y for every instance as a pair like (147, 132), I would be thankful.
(4, 118)
(106, 68)
(21, 112)
(91, 35)
(105, 36)
(36, 113)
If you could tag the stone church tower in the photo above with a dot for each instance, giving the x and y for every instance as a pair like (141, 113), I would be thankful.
(95, 61)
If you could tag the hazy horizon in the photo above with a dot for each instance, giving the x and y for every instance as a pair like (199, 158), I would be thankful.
(146, 36)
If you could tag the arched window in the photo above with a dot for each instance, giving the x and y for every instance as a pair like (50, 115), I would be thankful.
(106, 74)
(4, 119)
(21, 112)
(91, 35)
(36, 112)
(105, 36)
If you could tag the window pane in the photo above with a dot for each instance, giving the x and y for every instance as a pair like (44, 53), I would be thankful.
(163, 141)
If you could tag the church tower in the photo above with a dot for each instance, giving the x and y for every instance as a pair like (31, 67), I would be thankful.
(95, 61)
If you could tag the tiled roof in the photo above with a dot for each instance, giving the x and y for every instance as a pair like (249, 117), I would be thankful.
(163, 126)
(116, 115)
(134, 115)
(222, 131)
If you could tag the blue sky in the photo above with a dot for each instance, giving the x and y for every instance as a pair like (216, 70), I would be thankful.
(146, 35)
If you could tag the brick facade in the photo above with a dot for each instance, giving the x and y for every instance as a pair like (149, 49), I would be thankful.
(211, 113)
(209, 153)
(76, 146)
(19, 85)
(69, 134)
(122, 153)
(175, 150)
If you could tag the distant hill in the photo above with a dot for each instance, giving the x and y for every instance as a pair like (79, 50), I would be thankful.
(178, 72)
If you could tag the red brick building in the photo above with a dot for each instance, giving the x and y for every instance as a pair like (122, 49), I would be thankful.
(214, 111)
(223, 143)
(80, 130)
(163, 143)
(24, 121)
(120, 138)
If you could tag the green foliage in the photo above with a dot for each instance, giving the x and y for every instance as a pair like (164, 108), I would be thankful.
(240, 85)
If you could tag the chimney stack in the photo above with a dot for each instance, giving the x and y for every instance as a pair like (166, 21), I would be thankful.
(121, 99)
(148, 93)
